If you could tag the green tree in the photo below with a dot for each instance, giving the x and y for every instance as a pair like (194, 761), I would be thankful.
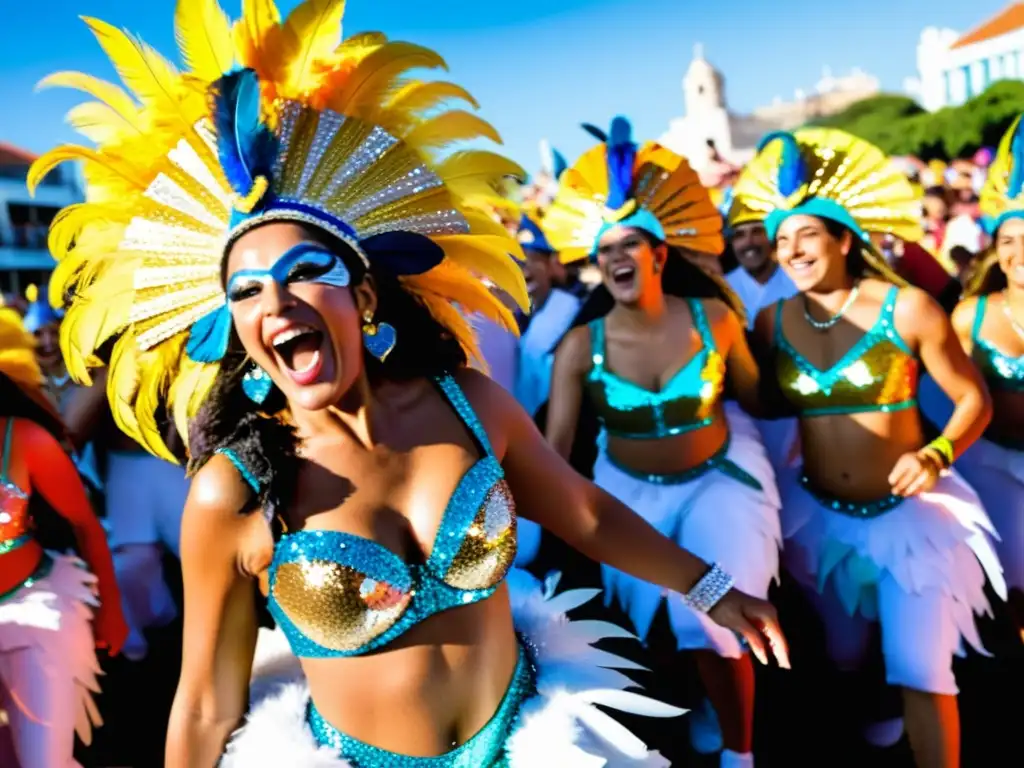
(899, 126)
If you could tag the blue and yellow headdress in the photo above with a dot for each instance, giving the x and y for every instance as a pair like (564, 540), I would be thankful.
(274, 119)
(1002, 197)
(40, 312)
(620, 183)
(830, 174)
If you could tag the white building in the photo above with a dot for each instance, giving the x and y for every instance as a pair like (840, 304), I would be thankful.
(25, 221)
(706, 117)
(952, 67)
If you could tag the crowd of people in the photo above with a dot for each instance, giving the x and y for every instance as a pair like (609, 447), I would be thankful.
(396, 417)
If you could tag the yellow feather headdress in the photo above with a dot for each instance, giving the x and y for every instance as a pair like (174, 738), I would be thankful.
(1002, 196)
(329, 132)
(833, 169)
(18, 351)
(618, 182)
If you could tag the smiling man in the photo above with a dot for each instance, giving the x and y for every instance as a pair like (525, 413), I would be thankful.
(757, 281)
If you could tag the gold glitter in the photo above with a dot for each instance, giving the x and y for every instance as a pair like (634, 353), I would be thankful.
(489, 548)
(335, 605)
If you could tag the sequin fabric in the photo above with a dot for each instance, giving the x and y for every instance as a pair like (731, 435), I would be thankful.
(337, 594)
(878, 373)
(15, 523)
(486, 749)
(1001, 371)
(686, 402)
(862, 509)
(720, 462)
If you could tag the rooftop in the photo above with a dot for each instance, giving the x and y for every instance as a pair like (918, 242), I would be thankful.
(1010, 19)
(12, 155)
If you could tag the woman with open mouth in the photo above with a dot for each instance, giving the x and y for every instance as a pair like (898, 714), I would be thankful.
(990, 324)
(877, 526)
(55, 609)
(284, 258)
(654, 351)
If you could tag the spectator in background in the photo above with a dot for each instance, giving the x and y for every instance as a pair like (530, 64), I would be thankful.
(936, 214)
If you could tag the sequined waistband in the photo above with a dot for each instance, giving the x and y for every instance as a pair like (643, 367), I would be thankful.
(718, 461)
(41, 572)
(17, 542)
(861, 509)
(486, 749)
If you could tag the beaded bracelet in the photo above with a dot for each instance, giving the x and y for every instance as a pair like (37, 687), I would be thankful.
(711, 588)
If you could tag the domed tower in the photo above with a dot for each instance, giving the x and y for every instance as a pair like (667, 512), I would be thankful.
(703, 85)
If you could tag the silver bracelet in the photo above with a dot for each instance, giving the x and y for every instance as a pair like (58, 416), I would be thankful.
(712, 587)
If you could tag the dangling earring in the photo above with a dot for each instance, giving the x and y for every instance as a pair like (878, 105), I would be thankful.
(256, 384)
(378, 338)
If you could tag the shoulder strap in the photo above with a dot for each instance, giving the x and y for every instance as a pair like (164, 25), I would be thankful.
(243, 470)
(889, 305)
(457, 398)
(597, 350)
(777, 332)
(979, 316)
(8, 439)
(700, 322)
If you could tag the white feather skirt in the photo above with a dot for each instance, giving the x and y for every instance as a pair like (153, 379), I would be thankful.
(559, 727)
(997, 474)
(718, 518)
(941, 540)
(48, 624)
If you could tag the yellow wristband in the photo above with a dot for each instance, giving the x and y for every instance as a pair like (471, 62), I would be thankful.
(943, 447)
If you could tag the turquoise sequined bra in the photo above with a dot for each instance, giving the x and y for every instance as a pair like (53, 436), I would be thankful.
(878, 373)
(1001, 371)
(337, 594)
(685, 403)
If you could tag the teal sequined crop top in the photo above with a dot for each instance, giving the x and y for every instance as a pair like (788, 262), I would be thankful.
(685, 403)
(1001, 371)
(878, 373)
(337, 594)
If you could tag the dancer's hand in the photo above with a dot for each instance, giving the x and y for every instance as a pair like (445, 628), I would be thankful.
(756, 621)
(914, 473)
(110, 628)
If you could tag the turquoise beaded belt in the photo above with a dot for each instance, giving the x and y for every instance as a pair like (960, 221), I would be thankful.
(17, 542)
(486, 749)
(718, 461)
(41, 572)
(860, 509)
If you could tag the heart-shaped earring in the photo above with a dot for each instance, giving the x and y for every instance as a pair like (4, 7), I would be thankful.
(378, 338)
(256, 384)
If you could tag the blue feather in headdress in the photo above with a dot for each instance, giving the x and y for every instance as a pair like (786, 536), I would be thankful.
(621, 154)
(558, 163)
(596, 132)
(246, 147)
(1016, 181)
(792, 170)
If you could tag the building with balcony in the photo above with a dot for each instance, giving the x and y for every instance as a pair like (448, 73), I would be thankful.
(953, 67)
(25, 220)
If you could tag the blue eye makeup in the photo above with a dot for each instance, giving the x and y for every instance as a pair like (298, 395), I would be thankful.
(305, 262)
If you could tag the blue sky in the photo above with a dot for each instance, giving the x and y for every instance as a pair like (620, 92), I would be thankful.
(538, 67)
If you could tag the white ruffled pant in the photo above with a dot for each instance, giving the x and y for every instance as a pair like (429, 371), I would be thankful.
(714, 516)
(918, 569)
(48, 665)
(559, 727)
(997, 473)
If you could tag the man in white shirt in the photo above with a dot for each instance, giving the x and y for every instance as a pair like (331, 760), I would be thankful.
(757, 281)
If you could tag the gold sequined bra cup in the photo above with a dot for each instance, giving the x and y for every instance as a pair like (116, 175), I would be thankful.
(878, 373)
(337, 594)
